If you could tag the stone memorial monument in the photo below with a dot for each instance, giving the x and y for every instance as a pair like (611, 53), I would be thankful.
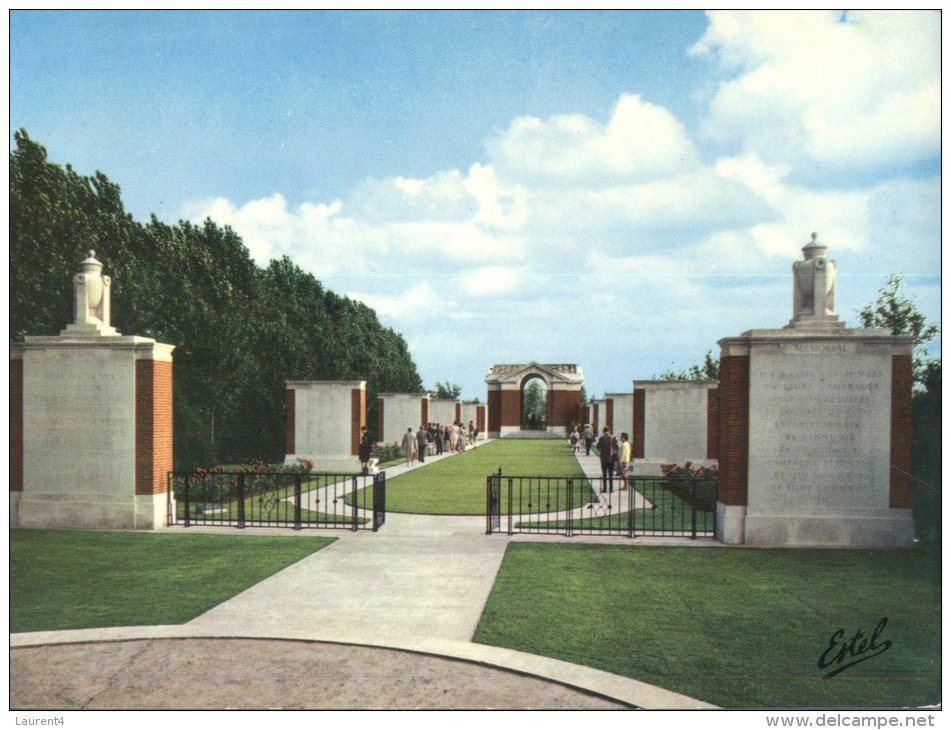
(90, 421)
(815, 427)
(322, 421)
(674, 421)
(396, 412)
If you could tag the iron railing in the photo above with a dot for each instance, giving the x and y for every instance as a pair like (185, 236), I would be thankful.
(262, 499)
(637, 505)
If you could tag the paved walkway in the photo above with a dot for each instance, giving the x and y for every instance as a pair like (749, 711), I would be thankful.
(419, 584)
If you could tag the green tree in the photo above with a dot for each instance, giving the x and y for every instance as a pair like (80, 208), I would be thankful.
(708, 370)
(445, 389)
(534, 406)
(240, 331)
(900, 314)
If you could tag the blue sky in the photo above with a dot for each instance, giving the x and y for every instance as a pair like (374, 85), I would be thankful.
(615, 189)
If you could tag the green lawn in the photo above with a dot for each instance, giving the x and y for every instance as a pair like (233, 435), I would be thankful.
(66, 579)
(669, 513)
(456, 485)
(735, 627)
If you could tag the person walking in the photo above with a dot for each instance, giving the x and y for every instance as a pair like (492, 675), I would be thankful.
(625, 458)
(608, 455)
(422, 443)
(588, 434)
(409, 446)
(366, 446)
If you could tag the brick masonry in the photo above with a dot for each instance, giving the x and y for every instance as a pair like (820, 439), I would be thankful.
(713, 427)
(379, 419)
(563, 407)
(480, 419)
(609, 414)
(358, 418)
(424, 411)
(290, 440)
(638, 429)
(511, 408)
(733, 412)
(153, 426)
(899, 493)
(16, 425)
(494, 398)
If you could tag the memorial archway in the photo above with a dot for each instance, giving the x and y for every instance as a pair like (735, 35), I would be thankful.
(534, 403)
(514, 404)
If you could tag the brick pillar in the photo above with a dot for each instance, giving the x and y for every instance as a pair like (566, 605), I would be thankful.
(899, 492)
(153, 425)
(609, 413)
(424, 411)
(638, 429)
(480, 419)
(494, 402)
(289, 416)
(459, 412)
(379, 419)
(16, 425)
(358, 417)
(713, 426)
(511, 408)
(733, 412)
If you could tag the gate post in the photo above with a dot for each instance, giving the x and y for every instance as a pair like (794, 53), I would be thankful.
(241, 500)
(511, 496)
(297, 496)
(570, 506)
(353, 499)
(693, 511)
(188, 516)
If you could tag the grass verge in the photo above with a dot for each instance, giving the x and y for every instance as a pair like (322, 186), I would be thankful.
(738, 628)
(456, 485)
(70, 579)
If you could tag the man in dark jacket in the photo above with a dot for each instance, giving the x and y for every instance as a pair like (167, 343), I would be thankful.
(607, 452)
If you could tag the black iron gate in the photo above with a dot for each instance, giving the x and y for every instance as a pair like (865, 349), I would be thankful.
(637, 505)
(493, 503)
(266, 498)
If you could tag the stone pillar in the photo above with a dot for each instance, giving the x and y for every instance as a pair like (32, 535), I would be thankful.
(814, 438)
(90, 421)
(672, 420)
(443, 410)
(622, 414)
(323, 423)
(401, 411)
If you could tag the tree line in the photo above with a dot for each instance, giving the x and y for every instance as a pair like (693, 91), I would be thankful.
(240, 330)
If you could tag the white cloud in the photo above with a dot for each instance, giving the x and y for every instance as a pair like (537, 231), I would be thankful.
(489, 280)
(641, 141)
(418, 302)
(859, 92)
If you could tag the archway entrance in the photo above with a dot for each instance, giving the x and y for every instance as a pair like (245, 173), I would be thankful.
(533, 399)
(534, 403)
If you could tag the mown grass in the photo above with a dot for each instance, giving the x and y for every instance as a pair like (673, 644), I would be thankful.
(457, 486)
(70, 579)
(668, 513)
(739, 628)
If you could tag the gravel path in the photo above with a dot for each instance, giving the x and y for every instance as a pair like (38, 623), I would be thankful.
(251, 673)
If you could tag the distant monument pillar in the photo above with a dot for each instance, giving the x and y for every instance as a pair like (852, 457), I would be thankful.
(814, 427)
(322, 422)
(90, 421)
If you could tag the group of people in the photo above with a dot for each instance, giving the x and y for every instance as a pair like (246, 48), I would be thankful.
(615, 457)
(435, 439)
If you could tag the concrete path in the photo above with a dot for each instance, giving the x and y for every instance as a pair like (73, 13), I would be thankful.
(419, 584)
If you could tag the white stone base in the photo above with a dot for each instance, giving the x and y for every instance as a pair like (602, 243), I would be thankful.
(15, 508)
(91, 511)
(731, 524)
(335, 464)
(889, 528)
(506, 430)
